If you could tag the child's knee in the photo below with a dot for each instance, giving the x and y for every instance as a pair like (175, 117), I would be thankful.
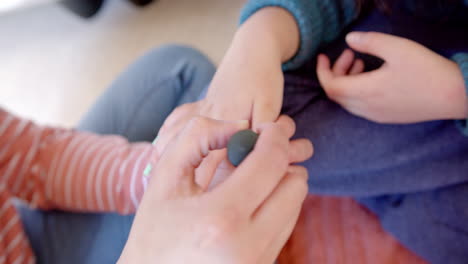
(174, 54)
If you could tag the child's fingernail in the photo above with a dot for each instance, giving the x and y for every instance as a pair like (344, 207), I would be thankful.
(354, 37)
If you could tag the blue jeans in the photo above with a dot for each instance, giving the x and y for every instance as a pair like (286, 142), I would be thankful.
(135, 106)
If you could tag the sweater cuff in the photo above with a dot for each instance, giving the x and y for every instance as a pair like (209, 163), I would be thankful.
(462, 60)
(319, 22)
(310, 33)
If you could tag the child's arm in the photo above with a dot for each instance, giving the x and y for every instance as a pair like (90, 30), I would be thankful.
(249, 82)
(64, 169)
(319, 22)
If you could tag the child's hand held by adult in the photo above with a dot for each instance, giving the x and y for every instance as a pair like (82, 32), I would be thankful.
(238, 221)
(248, 84)
(414, 84)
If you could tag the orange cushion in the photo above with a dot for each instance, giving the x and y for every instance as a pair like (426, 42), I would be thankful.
(335, 230)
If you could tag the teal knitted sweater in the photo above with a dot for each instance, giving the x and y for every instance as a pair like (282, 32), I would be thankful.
(320, 22)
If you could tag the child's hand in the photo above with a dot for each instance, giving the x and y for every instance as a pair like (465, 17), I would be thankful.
(246, 87)
(415, 84)
(249, 82)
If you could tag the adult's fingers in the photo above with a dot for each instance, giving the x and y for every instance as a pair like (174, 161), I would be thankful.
(300, 150)
(274, 248)
(281, 210)
(259, 173)
(176, 168)
(174, 124)
(206, 172)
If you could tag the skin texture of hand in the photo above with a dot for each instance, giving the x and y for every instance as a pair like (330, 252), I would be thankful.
(245, 219)
(414, 84)
(248, 84)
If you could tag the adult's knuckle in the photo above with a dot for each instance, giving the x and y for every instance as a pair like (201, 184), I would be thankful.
(275, 141)
(278, 154)
(221, 226)
(195, 127)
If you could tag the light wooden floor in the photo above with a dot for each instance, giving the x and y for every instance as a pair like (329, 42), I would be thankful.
(53, 65)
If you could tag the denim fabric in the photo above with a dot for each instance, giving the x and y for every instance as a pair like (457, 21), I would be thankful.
(135, 106)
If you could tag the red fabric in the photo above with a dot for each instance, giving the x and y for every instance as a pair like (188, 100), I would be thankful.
(334, 230)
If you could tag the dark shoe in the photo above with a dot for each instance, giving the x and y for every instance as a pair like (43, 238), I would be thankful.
(83, 8)
(141, 2)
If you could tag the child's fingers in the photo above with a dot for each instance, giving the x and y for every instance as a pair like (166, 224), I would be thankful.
(358, 67)
(324, 73)
(343, 63)
(285, 122)
(327, 78)
(265, 111)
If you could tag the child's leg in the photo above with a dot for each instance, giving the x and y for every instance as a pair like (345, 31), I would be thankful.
(139, 101)
(433, 224)
(414, 177)
(135, 106)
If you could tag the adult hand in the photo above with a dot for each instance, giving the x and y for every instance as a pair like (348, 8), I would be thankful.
(414, 84)
(246, 219)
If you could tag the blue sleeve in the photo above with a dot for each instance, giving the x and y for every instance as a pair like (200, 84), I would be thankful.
(320, 22)
(462, 60)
